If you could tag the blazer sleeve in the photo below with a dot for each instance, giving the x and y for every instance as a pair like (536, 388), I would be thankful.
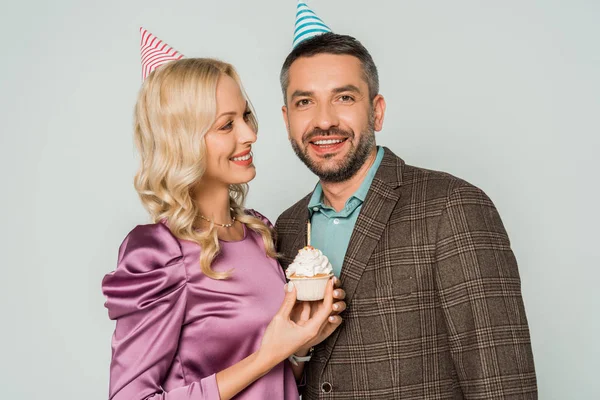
(479, 287)
(146, 295)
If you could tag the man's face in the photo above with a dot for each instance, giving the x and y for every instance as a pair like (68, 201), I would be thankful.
(330, 119)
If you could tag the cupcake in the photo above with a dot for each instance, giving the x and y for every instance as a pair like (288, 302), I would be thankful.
(310, 273)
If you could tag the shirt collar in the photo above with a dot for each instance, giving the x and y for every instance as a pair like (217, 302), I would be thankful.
(316, 200)
(362, 191)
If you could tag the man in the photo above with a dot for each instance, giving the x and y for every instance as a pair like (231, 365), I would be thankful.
(434, 306)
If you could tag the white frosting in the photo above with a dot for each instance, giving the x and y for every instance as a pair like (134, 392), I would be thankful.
(309, 262)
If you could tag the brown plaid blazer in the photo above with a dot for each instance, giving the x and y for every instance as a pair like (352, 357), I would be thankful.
(433, 292)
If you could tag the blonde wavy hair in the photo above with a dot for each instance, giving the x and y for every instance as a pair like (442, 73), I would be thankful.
(176, 107)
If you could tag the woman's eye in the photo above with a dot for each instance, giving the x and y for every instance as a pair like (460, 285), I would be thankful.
(227, 126)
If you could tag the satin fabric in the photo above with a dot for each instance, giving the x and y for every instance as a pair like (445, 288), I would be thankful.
(176, 328)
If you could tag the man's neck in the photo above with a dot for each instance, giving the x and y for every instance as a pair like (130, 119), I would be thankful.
(336, 194)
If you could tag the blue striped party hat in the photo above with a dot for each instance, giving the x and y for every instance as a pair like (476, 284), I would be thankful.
(307, 24)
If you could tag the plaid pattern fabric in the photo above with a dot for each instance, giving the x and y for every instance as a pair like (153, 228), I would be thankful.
(433, 291)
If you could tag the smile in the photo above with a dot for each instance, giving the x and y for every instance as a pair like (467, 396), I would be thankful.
(329, 141)
(326, 146)
(243, 158)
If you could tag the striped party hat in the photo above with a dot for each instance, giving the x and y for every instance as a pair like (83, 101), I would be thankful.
(155, 53)
(307, 24)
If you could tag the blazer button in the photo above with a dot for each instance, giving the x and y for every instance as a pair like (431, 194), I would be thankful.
(326, 387)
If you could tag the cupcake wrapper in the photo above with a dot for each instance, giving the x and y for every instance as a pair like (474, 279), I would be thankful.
(310, 289)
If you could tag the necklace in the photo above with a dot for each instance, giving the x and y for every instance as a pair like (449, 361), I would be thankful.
(221, 225)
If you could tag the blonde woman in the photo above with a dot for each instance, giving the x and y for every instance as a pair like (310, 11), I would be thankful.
(198, 296)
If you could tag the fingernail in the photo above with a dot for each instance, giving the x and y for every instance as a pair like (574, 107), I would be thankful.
(332, 319)
(290, 287)
(336, 293)
(335, 306)
(335, 279)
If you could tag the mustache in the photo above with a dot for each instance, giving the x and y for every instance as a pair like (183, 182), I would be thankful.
(329, 132)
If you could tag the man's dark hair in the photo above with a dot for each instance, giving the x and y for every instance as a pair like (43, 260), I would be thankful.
(332, 43)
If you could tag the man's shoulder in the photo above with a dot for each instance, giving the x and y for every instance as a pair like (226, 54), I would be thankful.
(287, 227)
(441, 182)
(295, 210)
(438, 190)
(395, 170)
(414, 174)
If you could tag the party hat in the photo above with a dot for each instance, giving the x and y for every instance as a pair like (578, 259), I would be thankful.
(307, 24)
(155, 53)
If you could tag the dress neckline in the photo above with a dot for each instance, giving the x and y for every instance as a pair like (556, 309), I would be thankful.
(245, 235)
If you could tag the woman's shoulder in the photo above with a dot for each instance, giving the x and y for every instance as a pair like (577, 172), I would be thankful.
(148, 268)
(256, 214)
(152, 242)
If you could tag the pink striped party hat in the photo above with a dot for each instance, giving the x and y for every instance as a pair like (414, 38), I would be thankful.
(155, 53)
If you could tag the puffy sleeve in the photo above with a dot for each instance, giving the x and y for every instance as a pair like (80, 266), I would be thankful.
(258, 215)
(146, 295)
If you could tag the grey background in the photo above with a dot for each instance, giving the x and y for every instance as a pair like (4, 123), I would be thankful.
(503, 94)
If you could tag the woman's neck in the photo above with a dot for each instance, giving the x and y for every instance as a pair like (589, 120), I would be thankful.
(212, 201)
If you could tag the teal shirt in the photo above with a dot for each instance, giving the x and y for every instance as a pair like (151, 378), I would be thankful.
(331, 230)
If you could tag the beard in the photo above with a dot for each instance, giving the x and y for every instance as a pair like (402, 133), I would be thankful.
(350, 165)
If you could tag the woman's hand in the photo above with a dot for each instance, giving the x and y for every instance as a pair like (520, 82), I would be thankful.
(304, 310)
(283, 336)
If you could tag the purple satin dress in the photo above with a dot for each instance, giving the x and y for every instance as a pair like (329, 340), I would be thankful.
(176, 328)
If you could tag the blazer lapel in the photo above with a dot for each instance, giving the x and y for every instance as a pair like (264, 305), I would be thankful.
(374, 215)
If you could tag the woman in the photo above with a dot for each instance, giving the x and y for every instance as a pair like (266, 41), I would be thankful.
(198, 296)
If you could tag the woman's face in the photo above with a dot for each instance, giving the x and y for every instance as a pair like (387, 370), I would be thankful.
(229, 140)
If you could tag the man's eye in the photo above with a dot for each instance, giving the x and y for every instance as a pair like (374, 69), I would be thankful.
(346, 98)
(303, 102)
